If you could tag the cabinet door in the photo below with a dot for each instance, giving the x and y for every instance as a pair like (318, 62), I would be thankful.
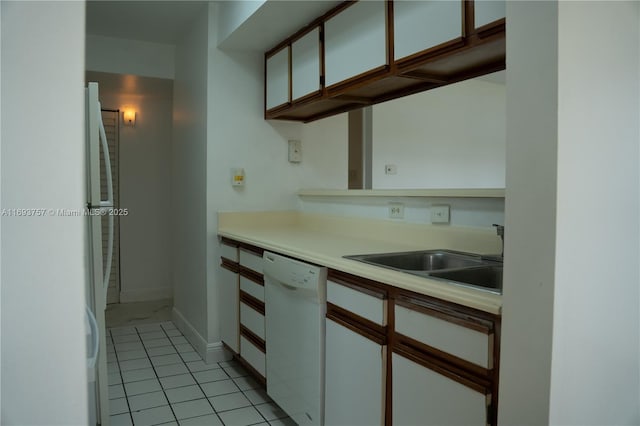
(354, 381)
(488, 11)
(305, 64)
(355, 41)
(277, 79)
(229, 306)
(422, 25)
(423, 397)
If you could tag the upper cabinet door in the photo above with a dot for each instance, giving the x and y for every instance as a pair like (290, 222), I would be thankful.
(488, 11)
(277, 79)
(305, 64)
(355, 41)
(422, 25)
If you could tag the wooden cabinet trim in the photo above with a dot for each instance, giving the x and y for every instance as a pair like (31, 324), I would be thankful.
(255, 373)
(253, 338)
(364, 327)
(251, 249)
(252, 275)
(456, 314)
(495, 27)
(252, 302)
(229, 265)
(358, 80)
(452, 371)
(363, 285)
(229, 242)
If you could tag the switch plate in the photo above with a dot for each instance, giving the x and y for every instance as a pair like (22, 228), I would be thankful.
(440, 214)
(390, 169)
(295, 151)
(396, 211)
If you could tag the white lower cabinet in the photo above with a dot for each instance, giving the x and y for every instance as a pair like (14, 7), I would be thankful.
(354, 378)
(423, 397)
(229, 314)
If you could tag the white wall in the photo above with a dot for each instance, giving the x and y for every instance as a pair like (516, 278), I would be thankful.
(450, 137)
(233, 14)
(528, 286)
(145, 183)
(595, 377)
(570, 318)
(240, 137)
(123, 56)
(474, 212)
(43, 372)
(189, 183)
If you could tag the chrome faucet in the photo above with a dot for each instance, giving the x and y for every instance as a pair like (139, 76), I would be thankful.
(500, 231)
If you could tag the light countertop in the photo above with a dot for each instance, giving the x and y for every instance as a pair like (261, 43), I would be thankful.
(323, 240)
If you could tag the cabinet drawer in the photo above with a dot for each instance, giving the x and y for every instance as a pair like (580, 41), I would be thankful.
(365, 305)
(251, 261)
(252, 288)
(466, 343)
(252, 319)
(229, 252)
(253, 356)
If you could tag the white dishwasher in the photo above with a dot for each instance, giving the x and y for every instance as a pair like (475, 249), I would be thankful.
(295, 307)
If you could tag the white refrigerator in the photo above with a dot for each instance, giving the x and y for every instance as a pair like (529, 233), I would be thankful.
(98, 208)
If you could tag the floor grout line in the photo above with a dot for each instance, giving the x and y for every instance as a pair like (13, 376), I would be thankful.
(232, 365)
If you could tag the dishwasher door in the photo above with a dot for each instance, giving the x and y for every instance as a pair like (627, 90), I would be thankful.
(295, 307)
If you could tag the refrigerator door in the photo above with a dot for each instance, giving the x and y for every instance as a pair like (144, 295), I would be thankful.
(95, 287)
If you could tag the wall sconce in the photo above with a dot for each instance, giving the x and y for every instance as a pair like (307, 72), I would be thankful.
(129, 117)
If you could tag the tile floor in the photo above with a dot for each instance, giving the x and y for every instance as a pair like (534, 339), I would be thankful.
(156, 377)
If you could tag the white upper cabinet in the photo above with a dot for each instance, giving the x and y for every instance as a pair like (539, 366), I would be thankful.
(421, 25)
(487, 11)
(355, 41)
(278, 78)
(305, 64)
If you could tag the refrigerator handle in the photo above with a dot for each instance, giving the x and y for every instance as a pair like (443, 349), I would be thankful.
(109, 202)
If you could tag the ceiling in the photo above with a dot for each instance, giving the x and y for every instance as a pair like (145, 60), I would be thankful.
(153, 21)
(161, 21)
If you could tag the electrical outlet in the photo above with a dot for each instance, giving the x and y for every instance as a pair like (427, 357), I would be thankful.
(440, 214)
(390, 169)
(396, 210)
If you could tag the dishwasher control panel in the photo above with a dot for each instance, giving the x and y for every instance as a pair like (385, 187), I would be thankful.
(293, 272)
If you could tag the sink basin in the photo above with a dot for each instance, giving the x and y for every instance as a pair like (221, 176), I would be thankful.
(485, 277)
(427, 260)
(459, 268)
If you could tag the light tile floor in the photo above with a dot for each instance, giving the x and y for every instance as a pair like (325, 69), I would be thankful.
(156, 377)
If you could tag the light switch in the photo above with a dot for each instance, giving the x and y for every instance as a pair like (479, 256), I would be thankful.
(440, 214)
(295, 151)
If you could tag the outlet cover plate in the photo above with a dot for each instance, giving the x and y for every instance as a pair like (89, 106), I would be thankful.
(440, 214)
(396, 211)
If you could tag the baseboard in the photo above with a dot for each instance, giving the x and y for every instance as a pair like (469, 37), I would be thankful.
(210, 352)
(146, 294)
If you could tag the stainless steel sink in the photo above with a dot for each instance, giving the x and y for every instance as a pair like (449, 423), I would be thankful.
(485, 277)
(427, 260)
(461, 268)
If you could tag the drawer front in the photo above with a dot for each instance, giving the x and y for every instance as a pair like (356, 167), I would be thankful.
(252, 319)
(365, 305)
(254, 356)
(252, 288)
(229, 252)
(463, 342)
(251, 261)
